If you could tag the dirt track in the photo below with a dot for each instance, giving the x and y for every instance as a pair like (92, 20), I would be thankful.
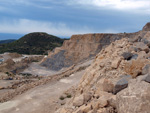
(41, 99)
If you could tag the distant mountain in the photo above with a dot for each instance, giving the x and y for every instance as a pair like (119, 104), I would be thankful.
(7, 41)
(33, 43)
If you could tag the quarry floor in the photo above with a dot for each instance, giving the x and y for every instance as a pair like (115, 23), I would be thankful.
(41, 99)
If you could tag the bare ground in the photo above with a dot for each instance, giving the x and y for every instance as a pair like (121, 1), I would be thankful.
(43, 98)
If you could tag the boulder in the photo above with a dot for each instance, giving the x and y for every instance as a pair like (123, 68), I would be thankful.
(121, 83)
(146, 69)
(115, 63)
(135, 98)
(112, 101)
(134, 67)
(87, 97)
(129, 56)
(105, 85)
(78, 101)
(146, 78)
(103, 101)
(141, 46)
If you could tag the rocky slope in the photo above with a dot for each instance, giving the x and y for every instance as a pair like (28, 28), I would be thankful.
(118, 81)
(80, 48)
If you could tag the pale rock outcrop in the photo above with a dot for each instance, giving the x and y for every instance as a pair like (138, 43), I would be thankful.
(135, 98)
(78, 101)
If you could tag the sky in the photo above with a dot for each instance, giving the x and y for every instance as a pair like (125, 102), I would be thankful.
(64, 18)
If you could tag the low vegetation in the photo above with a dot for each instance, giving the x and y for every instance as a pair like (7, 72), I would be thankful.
(33, 43)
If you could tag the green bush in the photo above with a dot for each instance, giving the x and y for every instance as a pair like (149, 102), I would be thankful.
(61, 98)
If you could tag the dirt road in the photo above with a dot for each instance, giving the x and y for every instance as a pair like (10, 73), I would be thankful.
(42, 99)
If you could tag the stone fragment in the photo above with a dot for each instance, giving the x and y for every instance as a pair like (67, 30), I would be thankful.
(142, 47)
(112, 101)
(115, 63)
(142, 55)
(103, 101)
(134, 67)
(145, 41)
(121, 83)
(78, 101)
(129, 56)
(105, 85)
(146, 69)
(87, 97)
(146, 78)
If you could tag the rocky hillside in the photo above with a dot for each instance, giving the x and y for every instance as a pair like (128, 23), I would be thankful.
(80, 48)
(118, 81)
(33, 43)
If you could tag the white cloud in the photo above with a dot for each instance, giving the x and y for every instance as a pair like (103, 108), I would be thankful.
(124, 5)
(142, 6)
(59, 29)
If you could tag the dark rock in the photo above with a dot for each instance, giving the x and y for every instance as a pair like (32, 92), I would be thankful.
(10, 78)
(145, 41)
(121, 84)
(142, 47)
(129, 56)
(134, 56)
(147, 27)
(146, 69)
(57, 61)
(135, 39)
(147, 78)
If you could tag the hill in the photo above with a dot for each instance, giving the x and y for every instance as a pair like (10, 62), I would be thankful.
(32, 43)
(7, 41)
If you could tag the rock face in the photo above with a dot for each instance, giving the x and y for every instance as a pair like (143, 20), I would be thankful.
(80, 48)
(135, 98)
(115, 80)
(147, 27)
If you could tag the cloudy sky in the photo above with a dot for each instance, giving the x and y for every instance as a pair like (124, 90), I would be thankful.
(66, 17)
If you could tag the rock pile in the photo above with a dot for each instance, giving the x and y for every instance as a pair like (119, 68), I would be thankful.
(118, 81)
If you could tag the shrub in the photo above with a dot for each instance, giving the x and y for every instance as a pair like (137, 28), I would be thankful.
(61, 98)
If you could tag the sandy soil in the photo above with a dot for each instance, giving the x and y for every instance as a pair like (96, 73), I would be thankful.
(41, 99)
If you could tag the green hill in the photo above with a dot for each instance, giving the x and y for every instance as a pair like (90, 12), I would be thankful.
(33, 43)
(7, 41)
